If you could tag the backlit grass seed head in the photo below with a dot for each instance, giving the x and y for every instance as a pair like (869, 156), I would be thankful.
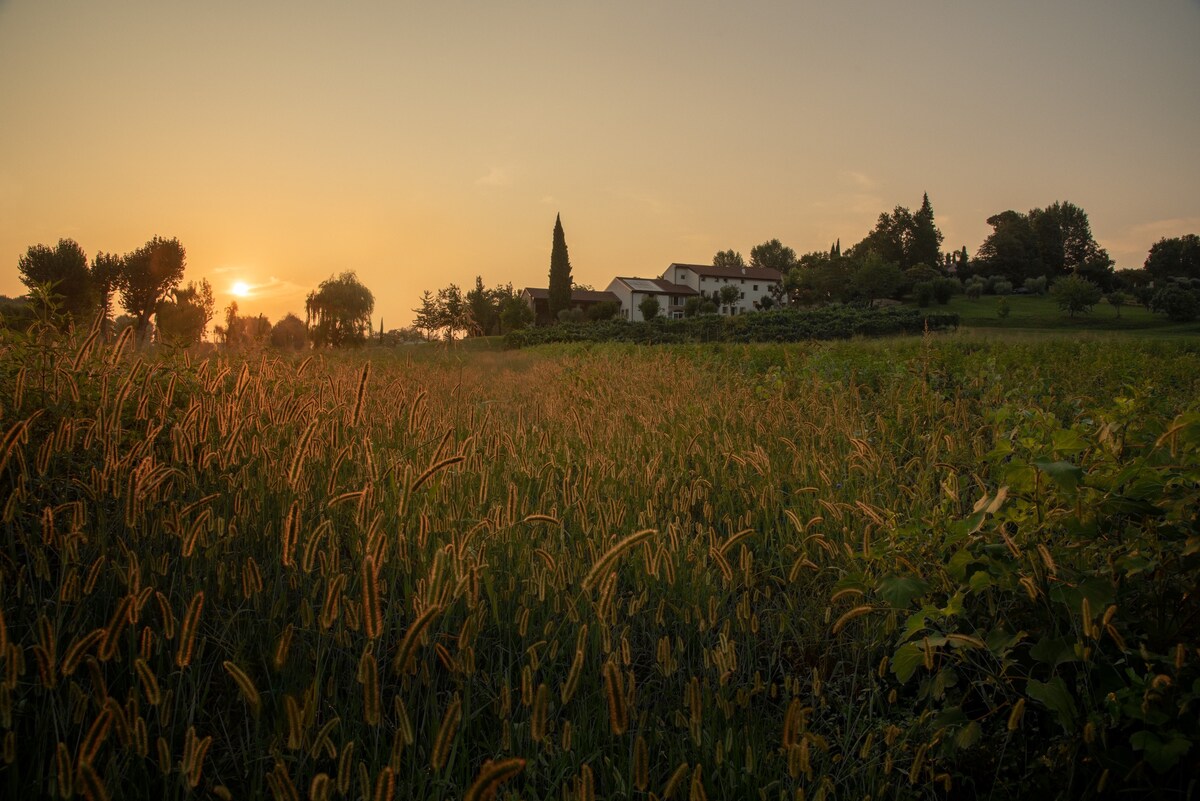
(678, 776)
(445, 734)
(187, 634)
(491, 776)
(606, 560)
(245, 685)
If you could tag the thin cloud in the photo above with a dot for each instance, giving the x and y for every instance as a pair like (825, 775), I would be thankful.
(859, 179)
(496, 176)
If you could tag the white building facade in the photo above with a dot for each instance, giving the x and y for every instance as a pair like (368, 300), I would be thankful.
(631, 292)
(753, 283)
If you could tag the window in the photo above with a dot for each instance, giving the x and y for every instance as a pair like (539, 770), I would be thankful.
(742, 295)
(756, 287)
(703, 279)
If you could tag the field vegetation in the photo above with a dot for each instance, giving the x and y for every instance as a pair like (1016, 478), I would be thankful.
(916, 568)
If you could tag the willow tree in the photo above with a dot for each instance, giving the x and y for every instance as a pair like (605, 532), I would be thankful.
(339, 311)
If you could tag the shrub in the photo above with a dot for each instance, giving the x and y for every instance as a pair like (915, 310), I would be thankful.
(945, 288)
(1074, 294)
(923, 292)
(1002, 287)
(1177, 302)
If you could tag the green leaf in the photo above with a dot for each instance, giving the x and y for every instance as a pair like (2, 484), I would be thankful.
(906, 660)
(968, 735)
(1066, 475)
(1068, 441)
(1053, 651)
(1162, 755)
(915, 624)
(900, 591)
(1055, 696)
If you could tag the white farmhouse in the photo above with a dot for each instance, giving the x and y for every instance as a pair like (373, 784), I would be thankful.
(754, 283)
(632, 291)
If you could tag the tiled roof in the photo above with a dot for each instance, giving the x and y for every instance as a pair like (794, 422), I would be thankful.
(757, 273)
(664, 286)
(577, 295)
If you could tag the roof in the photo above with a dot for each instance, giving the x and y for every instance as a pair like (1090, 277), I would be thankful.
(757, 273)
(577, 295)
(662, 285)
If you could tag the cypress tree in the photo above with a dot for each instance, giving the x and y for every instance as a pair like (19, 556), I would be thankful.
(560, 272)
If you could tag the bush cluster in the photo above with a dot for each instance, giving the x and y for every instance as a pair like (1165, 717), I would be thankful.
(783, 325)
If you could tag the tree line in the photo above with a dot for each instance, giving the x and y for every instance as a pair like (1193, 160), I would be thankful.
(69, 290)
(1048, 250)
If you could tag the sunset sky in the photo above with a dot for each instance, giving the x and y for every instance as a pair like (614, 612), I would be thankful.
(426, 143)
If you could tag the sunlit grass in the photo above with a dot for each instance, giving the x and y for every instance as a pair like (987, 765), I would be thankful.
(422, 572)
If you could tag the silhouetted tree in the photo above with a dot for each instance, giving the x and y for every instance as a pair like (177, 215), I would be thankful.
(774, 255)
(339, 311)
(1011, 250)
(289, 333)
(1178, 257)
(560, 271)
(183, 316)
(925, 244)
(106, 277)
(729, 258)
(147, 275)
(65, 268)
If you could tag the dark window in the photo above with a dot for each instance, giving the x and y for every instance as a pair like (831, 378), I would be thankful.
(756, 287)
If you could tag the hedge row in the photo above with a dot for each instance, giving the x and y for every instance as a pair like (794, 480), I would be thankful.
(781, 325)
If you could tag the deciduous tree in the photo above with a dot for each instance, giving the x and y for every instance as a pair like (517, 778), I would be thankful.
(183, 316)
(774, 255)
(729, 258)
(65, 268)
(339, 311)
(1074, 294)
(147, 275)
(1178, 257)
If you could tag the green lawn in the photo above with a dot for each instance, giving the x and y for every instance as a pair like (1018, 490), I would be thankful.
(1041, 312)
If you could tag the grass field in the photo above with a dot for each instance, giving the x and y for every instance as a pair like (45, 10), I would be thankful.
(1042, 313)
(905, 568)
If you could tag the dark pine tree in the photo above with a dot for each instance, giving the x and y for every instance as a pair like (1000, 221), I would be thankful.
(926, 244)
(560, 272)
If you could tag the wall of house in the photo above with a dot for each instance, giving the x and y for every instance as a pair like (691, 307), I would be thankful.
(753, 289)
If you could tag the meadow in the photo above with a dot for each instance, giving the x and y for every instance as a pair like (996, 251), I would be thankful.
(922, 567)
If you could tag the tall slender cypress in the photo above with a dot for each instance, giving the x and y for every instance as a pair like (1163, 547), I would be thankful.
(560, 272)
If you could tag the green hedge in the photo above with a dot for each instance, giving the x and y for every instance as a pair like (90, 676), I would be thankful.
(782, 325)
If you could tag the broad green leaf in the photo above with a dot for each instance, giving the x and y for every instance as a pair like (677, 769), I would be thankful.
(968, 735)
(1055, 696)
(1066, 475)
(1068, 441)
(1162, 755)
(906, 660)
(1053, 651)
(900, 591)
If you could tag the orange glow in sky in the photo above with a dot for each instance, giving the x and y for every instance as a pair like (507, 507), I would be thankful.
(420, 144)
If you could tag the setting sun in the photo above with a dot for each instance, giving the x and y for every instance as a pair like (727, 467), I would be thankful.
(240, 288)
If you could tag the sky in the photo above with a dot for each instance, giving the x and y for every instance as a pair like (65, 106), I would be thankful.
(420, 144)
